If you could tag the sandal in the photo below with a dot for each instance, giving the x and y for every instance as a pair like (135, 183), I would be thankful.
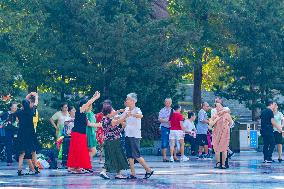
(148, 175)
(131, 177)
(77, 172)
(20, 173)
(218, 165)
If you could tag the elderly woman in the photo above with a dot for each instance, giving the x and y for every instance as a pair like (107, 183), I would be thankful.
(221, 134)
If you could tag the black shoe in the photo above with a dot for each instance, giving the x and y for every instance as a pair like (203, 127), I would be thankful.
(131, 177)
(166, 160)
(176, 160)
(280, 160)
(148, 175)
(37, 170)
(89, 170)
(20, 173)
(218, 165)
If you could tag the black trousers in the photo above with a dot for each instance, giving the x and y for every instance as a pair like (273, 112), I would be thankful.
(65, 149)
(193, 143)
(268, 145)
(9, 140)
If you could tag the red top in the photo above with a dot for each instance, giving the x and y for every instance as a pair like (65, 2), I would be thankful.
(175, 120)
(99, 117)
(100, 131)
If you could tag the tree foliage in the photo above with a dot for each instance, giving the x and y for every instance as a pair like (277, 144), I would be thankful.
(256, 62)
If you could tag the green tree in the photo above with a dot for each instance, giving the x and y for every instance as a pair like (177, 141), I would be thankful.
(257, 59)
(206, 18)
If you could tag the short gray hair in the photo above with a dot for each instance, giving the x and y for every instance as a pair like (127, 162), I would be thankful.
(168, 99)
(133, 96)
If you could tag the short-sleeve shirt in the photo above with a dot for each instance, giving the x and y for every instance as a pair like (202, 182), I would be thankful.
(59, 117)
(110, 132)
(165, 114)
(266, 116)
(278, 119)
(189, 125)
(175, 120)
(201, 127)
(133, 124)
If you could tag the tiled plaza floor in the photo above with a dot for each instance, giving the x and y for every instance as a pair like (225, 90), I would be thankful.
(246, 171)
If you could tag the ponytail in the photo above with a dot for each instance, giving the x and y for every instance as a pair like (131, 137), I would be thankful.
(175, 107)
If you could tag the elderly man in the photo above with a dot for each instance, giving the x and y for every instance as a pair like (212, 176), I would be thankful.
(164, 116)
(202, 128)
(133, 136)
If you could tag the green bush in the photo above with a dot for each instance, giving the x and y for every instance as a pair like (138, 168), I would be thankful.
(147, 143)
(46, 133)
(150, 127)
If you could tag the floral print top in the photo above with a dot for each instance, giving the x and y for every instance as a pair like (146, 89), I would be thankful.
(110, 132)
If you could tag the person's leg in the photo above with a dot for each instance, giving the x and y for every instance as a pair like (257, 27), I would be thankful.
(20, 163)
(92, 153)
(30, 164)
(165, 141)
(280, 151)
(206, 149)
(265, 147)
(271, 146)
(9, 146)
(224, 158)
(131, 165)
(144, 165)
(172, 147)
(217, 155)
(181, 142)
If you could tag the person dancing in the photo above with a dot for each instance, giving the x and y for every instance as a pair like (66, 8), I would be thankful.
(115, 159)
(27, 142)
(78, 157)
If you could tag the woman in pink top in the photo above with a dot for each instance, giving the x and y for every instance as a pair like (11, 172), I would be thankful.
(221, 135)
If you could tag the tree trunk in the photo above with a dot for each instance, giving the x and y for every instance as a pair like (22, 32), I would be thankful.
(62, 92)
(197, 80)
(254, 114)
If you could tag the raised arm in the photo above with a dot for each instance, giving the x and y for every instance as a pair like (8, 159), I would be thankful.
(90, 102)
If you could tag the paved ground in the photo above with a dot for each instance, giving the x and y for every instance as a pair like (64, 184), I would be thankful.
(247, 171)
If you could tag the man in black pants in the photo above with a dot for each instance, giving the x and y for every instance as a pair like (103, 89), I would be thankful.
(267, 124)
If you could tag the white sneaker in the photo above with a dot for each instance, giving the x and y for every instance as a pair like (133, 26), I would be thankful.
(172, 159)
(184, 158)
(104, 175)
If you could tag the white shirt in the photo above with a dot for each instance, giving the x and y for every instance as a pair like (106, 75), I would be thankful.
(133, 124)
(188, 125)
(214, 111)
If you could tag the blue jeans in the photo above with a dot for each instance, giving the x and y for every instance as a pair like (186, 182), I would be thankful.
(165, 132)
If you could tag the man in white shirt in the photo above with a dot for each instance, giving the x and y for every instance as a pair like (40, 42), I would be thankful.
(133, 136)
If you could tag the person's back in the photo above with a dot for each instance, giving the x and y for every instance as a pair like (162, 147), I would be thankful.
(266, 125)
(175, 120)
